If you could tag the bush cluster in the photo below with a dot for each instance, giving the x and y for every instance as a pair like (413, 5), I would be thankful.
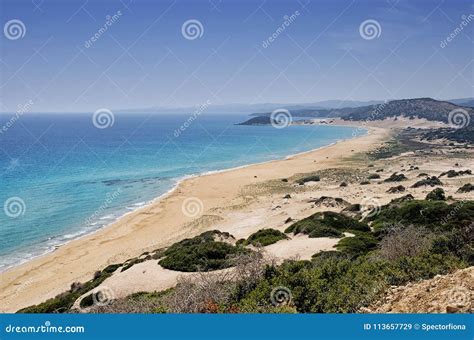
(326, 224)
(264, 237)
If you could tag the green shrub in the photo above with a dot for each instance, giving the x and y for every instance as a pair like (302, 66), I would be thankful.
(63, 302)
(325, 232)
(430, 181)
(201, 257)
(201, 253)
(436, 195)
(333, 284)
(265, 237)
(396, 178)
(87, 301)
(434, 215)
(396, 189)
(468, 187)
(313, 178)
(454, 173)
(328, 223)
(358, 244)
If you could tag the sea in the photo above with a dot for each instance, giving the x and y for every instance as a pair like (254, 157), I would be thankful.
(63, 176)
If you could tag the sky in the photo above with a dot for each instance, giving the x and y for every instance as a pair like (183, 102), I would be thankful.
(319, 50)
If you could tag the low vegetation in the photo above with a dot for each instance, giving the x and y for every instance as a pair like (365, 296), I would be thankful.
(430, 181)
(313, 178)
(436, 195)
(468, 187)
(454, 173)
(63, 302)
(410, 240)
(463, 135)
(201, 253)
(326, 224)
(264, 237)
(396, 189)
(396, 178)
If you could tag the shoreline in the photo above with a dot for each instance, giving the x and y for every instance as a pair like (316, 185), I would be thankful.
(140, 230)
(175, 186)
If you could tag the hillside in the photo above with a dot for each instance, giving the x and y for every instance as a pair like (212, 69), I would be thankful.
(427, 108)
(451, 293)
(261, 120)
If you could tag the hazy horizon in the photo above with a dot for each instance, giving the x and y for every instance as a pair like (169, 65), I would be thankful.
(128, 55)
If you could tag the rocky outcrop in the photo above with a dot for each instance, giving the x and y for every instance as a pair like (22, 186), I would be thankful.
(452, 293)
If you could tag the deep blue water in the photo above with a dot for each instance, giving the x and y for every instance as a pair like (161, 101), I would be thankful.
(75, 178)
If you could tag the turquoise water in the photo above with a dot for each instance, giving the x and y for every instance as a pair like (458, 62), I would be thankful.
(61, 177)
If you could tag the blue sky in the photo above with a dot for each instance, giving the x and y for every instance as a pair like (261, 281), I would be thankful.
(143, 59)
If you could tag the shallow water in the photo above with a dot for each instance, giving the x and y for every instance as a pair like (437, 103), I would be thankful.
(61, 177)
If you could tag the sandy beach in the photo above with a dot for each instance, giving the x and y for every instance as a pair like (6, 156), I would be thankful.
(239, 201)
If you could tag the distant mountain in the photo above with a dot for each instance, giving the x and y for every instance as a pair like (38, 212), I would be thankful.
(463, 101)
(334, 104)
(261, 120)
(427, 108)
(469, 103)
(322, 109)
(250, 108)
